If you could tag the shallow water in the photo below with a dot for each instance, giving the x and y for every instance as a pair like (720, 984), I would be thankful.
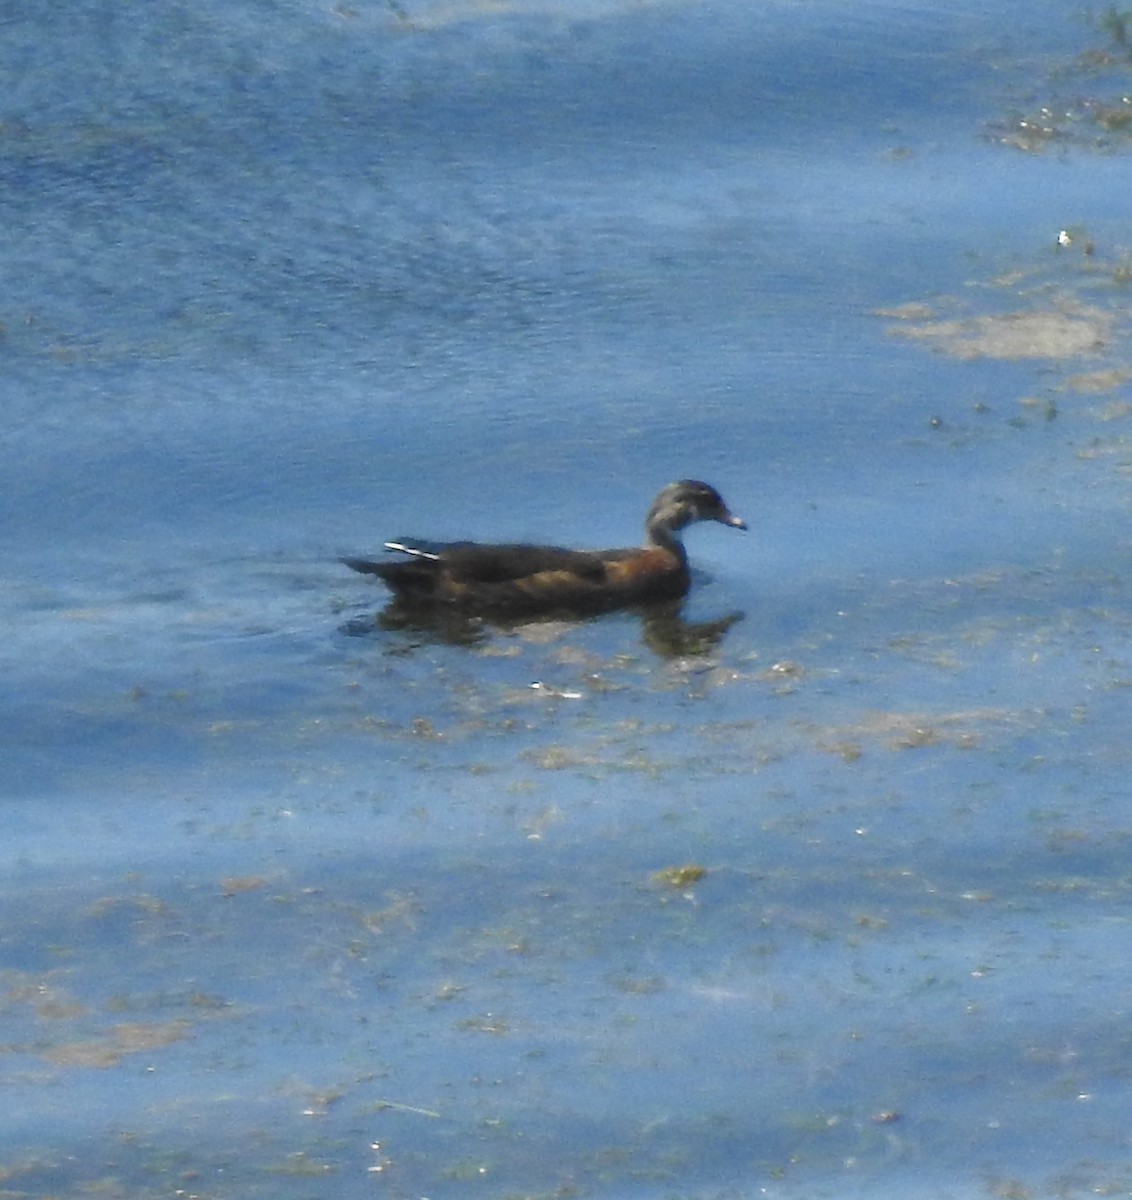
(296, 904)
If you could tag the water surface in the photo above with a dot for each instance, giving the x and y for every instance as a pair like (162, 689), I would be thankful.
(295, 904)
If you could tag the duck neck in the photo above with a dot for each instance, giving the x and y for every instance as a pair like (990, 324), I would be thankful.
(661, 536)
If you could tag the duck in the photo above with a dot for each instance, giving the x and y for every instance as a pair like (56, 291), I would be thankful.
(521, 580)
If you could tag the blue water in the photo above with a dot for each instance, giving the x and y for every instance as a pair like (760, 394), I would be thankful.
(295, 904)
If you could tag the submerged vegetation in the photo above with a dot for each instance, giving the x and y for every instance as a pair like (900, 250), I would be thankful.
(1097, 112)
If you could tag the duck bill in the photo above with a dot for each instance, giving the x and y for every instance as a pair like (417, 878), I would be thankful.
(733, 521)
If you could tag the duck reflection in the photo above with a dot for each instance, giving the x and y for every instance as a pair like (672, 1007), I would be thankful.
(664, 628)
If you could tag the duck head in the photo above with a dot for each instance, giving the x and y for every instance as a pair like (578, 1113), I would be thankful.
(683, 503)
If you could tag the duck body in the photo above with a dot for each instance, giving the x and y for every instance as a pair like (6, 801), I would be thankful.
(519, 579)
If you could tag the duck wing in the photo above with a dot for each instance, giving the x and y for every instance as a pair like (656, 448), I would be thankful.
(473, 562)
(424, 558)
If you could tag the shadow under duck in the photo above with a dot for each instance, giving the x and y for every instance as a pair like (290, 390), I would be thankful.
(519, 579)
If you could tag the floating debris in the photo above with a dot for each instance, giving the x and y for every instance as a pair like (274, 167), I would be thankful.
(1063, 332)
(546, 690)
(679, 877)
